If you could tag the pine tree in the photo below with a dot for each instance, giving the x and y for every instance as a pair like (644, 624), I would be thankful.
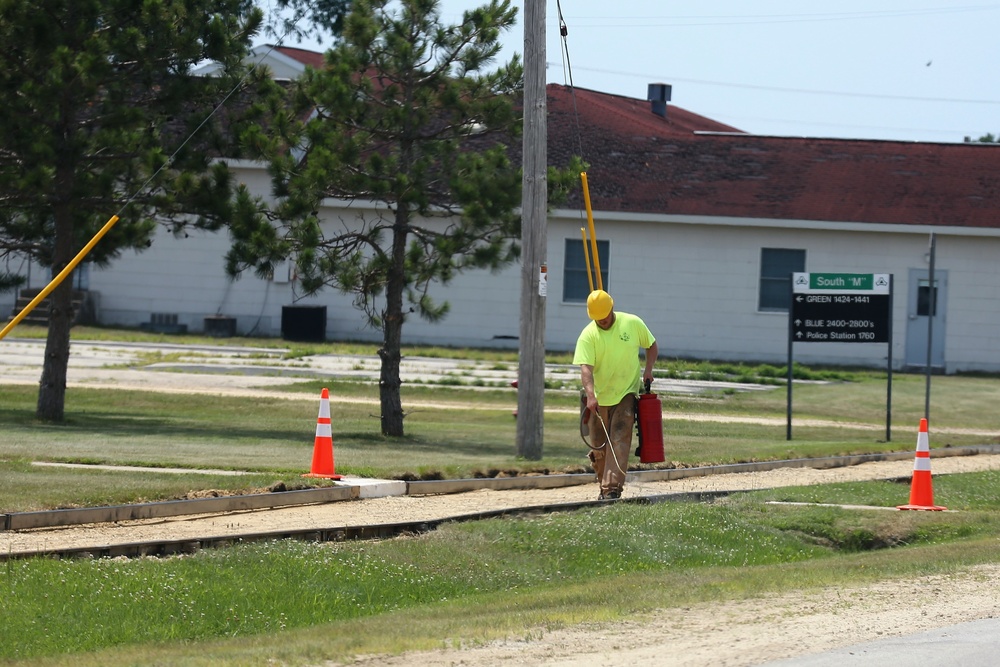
(406, 113)
(98, 105)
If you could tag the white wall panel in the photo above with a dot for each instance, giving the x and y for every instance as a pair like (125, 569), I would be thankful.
(695, 283)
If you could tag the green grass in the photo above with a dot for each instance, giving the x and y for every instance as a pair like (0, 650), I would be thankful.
(488, 578)
(291, 603)
(451, 432)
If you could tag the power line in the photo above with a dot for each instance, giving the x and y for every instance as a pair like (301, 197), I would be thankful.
(783, 89)
(608, 22)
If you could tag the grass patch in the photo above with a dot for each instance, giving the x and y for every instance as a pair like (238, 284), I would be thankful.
(296, 603)
(450, 433)
(481, 580)
(969, 492)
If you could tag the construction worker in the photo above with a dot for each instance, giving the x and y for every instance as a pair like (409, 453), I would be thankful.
(607, 352)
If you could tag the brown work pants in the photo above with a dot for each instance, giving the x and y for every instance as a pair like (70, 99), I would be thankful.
(611, 462)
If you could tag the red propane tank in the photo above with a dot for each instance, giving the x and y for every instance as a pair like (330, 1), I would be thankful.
(649, 422)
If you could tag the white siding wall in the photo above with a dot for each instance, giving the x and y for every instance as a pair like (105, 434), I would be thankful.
(696, 285)
(973, 319)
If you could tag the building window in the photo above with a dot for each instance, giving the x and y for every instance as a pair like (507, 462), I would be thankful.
(776, 268)
(576, 286)
(924, 298)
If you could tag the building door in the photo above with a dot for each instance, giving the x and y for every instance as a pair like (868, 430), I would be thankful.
(919, 316)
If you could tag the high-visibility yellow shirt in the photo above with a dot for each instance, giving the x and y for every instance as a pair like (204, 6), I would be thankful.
(614, 354)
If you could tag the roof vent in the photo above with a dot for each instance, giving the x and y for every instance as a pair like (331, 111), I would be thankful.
(659, 94)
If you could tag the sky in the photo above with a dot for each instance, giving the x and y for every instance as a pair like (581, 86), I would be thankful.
(902, 70)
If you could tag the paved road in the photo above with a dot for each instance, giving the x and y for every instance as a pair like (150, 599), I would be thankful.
(972, 644)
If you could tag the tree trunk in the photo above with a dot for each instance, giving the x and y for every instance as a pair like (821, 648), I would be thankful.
(52, 386)
(392, 332)
(389, 383)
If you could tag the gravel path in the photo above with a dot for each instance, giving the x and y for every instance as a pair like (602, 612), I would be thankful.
(396, 509)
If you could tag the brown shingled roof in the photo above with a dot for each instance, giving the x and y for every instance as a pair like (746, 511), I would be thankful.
(687, 164)
(644, 163)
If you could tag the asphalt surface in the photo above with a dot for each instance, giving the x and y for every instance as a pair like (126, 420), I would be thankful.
(972, 644)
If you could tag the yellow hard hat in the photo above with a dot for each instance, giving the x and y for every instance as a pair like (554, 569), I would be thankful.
(599, 304)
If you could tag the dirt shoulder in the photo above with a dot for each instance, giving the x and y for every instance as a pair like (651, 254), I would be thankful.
(752, 632)
(742, 633)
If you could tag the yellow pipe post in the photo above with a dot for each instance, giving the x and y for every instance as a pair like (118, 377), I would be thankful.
(55, 282)
(586, 259)
(593, 234)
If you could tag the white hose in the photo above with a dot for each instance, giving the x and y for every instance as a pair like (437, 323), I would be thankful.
(607, 441)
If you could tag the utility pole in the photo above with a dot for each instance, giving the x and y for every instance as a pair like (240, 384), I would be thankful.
(534, 211)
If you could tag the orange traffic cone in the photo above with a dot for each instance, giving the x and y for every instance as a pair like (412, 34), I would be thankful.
(921, 489)
(322, 463)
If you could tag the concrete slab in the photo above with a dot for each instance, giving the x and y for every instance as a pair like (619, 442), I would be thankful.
(374, 488)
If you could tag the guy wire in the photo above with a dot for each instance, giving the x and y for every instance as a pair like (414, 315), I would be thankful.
(568, 68)
(215, 109)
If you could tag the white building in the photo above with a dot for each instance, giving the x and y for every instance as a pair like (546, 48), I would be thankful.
(700, 227)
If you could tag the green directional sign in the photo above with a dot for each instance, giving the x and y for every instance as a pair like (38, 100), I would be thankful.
(870, 283)
(841, 307)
